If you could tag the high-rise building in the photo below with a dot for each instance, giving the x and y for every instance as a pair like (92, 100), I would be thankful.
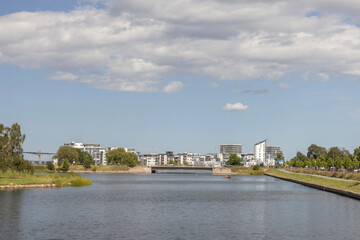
(230, 148)
(260, 152)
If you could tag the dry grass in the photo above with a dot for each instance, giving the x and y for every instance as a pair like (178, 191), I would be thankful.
(345, 175)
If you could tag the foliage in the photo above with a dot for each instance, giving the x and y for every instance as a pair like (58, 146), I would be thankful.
(11, 151)
(279, 156)
(234, 160)
(67, 153)
(186, 163)
(315, 151)
(120, 157)
(87, 163)
(256, 167)
(65, 166)
(50, 165)
(84, 157)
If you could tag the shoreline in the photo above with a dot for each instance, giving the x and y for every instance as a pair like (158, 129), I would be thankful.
(337, 191)
(18, 186)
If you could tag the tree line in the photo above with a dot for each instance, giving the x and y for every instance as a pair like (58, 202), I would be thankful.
(119, 156)
(318, 156)
(11, 151)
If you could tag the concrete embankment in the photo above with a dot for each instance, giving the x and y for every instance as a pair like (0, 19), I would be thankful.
(320, 187)
(10, 187)
(135, 170)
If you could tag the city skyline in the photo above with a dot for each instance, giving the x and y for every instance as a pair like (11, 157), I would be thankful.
(131, 74)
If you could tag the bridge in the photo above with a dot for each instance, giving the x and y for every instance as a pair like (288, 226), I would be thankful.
(40, 154)
(181, 168)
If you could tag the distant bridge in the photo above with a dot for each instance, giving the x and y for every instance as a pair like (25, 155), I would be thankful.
(40, 154)
(181, 168)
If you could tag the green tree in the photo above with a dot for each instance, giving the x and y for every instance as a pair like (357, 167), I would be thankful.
(120, 157)
(315, 151)
(87, 163)
(67, 153)
(279, 156)
(347, 162)
(65, 166)
(355, 162)
(234, 160)
(84, 156)
(256, 167)
(338, 163)
(11, 151)
(50, 165)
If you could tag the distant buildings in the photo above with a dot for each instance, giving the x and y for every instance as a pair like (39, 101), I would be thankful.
(230, 148)
(96, 151)
(260, 152)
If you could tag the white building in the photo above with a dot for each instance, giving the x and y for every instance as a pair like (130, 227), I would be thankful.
(260, 152)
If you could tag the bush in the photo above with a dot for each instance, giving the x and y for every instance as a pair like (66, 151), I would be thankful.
(65, 166)
(256, 167)
(50, 165)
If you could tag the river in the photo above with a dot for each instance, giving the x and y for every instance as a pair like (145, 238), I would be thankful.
(178, 206)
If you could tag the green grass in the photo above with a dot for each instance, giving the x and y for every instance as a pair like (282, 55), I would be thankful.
(61, 180)
(333, 183)
(248, 170)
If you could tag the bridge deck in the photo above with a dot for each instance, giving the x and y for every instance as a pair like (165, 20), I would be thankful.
(181, 168)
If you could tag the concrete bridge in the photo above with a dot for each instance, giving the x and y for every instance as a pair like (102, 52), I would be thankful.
(181, 168)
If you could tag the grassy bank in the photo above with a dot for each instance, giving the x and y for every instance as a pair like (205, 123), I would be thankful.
(61, 180)
(100, 168)
(353, 186)
(344, 175)
(248, 170)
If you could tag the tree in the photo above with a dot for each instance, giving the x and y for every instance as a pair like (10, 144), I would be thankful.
(357, 152)
(84, 156)
(67, 153)
(11, 151)
(87, 163)
(315, 151)
(65, 166)
(278, 156)
(355, 162)
(256, 167)
(347, 162)
(50, 165)
(234, 160)
(338, 162)
(120, 157)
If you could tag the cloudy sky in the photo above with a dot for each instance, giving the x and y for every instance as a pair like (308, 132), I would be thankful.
(181, 75)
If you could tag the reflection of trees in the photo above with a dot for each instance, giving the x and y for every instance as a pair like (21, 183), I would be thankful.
(10, 213)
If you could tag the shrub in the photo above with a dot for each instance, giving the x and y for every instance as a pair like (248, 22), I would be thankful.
(256, 167)
(50, 165)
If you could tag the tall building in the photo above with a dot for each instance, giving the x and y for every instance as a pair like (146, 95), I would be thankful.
(260, 152)
(271, 151)
(230, 148)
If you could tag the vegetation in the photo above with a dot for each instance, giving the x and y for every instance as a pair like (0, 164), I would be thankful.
(334, 174)
(100, 168)
(333, 183)
(234, 160)
(279, 156)
(120, 157)
(84, 158)
(256, 167)
(67, 153)
(11, 151)
(319, 157)
(65, 167)
(50, 166)
(61, 180)
(248, 171)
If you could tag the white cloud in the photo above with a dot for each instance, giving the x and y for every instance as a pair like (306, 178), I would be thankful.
(174, 86)
(285, 86)
(135, 45)
(235, 107)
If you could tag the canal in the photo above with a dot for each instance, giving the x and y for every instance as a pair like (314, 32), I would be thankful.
(178, 206)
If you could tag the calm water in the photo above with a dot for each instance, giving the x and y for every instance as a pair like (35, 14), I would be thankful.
(178, 206)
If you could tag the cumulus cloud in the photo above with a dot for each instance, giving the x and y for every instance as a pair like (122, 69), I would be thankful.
(285, 86)
(235, 107)
(135, 45)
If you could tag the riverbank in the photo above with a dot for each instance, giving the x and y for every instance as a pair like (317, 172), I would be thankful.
(15, 180)
(344, 188)
(238, 171)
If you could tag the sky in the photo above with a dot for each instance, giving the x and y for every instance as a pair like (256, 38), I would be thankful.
(184, 76)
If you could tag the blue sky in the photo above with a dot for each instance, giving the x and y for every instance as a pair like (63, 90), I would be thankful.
(131, 74)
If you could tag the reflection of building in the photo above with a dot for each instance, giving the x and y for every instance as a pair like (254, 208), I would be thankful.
(260, 152)
(230, 148)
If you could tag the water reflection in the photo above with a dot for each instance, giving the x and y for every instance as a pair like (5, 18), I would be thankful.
(178, 206)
